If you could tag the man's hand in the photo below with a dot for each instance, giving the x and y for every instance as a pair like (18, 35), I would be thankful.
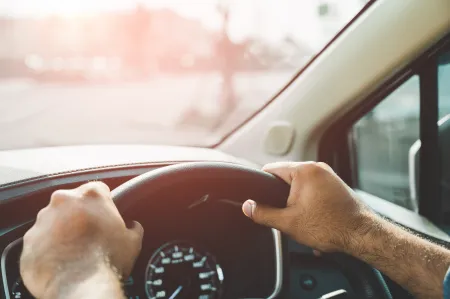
(79, 237)
(322, 211)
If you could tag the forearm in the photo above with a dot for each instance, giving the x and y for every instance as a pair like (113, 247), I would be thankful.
(412, 262)
(103, 283)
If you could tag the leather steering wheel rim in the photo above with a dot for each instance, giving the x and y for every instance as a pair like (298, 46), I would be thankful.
(271, 191)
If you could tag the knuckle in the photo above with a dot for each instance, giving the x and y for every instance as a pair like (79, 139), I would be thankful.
(325, 166)
(27, 236)
(95, 189)
(59, 196)
(295, 167)
(310, 169)
(41, 214)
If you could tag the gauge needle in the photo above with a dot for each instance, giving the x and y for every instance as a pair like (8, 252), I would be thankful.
(177, 291)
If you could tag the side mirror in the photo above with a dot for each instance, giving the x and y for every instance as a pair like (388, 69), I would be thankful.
(444, 158)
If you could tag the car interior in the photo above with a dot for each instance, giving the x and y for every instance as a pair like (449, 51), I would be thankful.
(189, 199)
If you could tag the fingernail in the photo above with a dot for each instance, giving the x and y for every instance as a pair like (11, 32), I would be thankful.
(248, 207)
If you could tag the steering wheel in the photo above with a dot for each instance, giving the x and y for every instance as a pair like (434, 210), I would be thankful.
(252, 183)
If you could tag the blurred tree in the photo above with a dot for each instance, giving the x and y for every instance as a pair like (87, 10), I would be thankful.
(139, 31)
(227, 55)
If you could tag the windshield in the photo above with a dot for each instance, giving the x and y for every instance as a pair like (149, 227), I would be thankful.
(150, 71)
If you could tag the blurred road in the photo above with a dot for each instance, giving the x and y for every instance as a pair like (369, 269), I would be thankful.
(35, 114)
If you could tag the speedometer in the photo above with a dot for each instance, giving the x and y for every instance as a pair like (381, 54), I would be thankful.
(19, 291)
(179, 270)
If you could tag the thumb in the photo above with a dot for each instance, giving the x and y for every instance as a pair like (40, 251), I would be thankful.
(262, 214)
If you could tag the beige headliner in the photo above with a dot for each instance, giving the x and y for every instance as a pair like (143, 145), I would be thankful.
(390, 34)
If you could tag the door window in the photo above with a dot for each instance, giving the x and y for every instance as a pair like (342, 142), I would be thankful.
(383, 139)
(387, 143)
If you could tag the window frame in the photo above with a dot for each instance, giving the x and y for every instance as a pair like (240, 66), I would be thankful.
(294, 77)
(337, 144)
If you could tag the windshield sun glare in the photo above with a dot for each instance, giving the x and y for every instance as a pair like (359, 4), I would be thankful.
(152, 71)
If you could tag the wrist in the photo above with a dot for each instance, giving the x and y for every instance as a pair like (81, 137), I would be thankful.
(94, 280)
(364, 232)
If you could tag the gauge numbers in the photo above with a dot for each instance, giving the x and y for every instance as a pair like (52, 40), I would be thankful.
(178, 270)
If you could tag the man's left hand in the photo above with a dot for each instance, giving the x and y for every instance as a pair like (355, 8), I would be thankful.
(79, 232)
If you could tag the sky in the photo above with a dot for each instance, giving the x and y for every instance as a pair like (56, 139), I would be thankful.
(267, 19)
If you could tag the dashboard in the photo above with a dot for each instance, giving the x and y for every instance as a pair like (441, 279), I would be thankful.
(193, 246)
(207, 251)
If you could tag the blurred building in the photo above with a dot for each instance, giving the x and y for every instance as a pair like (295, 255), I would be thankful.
(143, 40)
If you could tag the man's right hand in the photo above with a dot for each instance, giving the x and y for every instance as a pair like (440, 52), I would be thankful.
(322, 211)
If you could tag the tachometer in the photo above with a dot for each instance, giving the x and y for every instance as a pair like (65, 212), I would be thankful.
(179, 270)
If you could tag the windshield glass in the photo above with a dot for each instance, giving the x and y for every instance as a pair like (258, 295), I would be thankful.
(150, 71)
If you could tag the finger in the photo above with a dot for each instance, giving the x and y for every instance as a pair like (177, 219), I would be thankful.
(95, 189)
(284, 170)
(41, 214)
(263, 214)
(28, 236)
(288, 170)
(136, 234)
(61, 196)
(137, 231)
(326, 167)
